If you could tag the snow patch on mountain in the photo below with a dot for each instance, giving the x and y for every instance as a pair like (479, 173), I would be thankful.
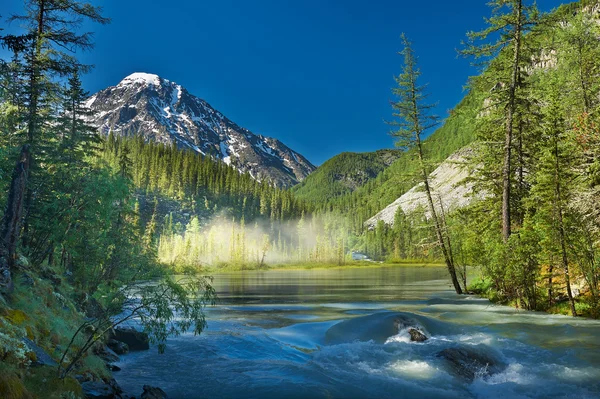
(165, 112)
(141, 77)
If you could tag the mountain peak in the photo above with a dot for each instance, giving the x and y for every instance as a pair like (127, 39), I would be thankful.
(141, 77)
(162, 111)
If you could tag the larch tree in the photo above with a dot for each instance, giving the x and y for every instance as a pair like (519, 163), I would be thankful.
(413, 120)
(510, 21)
(555, 186)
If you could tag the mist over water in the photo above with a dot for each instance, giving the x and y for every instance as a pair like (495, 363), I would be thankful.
(224, 240)
(334, 334)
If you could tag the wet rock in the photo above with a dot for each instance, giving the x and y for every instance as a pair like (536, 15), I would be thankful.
(115, 386)
(85, 377)
(135, 340)
(377, 327)
(153, 393)
(106, 354)
(41, 357)
(416, 335)
(98, 390)
(120, 348)
(113, 367)
(469, 363)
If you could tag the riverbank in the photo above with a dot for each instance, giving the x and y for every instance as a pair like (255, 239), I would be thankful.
(559, 306)
(317, 265)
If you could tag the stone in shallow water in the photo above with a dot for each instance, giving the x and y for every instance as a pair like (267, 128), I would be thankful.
(469, 363)
(153, 393)
(97, 390)
(136, 340)
(106, 354)
(120, 348)
(416, 335)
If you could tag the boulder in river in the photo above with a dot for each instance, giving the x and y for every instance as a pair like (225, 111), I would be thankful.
(377, 327)
(135, 340)
(120, 348)
(469, 363)
(106, 354)
(153, 393)
(416, 335)
(98, 390)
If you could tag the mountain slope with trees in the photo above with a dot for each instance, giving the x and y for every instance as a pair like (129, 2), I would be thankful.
(531, 226)
(344, 174)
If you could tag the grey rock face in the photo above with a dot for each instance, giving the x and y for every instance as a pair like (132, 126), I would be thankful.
(448, 186)
(42, 358)
(164, 112)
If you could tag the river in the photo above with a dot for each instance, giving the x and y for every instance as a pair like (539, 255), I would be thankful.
(334, 333)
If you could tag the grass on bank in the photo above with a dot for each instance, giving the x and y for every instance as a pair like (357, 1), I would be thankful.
(43, 311)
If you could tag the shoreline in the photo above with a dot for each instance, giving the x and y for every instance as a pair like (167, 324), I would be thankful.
(319, 266)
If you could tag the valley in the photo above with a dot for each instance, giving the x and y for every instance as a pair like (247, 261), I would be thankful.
(152, 247)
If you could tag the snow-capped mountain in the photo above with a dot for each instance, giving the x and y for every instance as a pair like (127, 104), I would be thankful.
(164, 112)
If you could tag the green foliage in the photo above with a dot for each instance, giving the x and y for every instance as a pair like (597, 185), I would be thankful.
(207, 186)
(549, 260)
(343, 174)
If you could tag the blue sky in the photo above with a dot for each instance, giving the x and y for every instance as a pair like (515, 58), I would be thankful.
(315, 74)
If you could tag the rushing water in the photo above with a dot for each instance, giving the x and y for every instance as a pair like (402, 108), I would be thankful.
(332, 334)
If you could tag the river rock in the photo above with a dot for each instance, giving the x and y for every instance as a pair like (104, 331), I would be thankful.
(106, 354)
(469, 363)
(41, 357)
(98, 390)
(416, 335)
(113, 367)
(377, 327)
(153, 393)
(135, 340)
(120, 348)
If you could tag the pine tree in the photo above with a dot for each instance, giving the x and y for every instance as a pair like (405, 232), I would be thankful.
(414, 119)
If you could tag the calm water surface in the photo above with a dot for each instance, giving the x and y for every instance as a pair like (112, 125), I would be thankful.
(332, 334)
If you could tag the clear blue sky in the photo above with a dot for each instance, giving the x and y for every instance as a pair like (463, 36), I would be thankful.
(315, 74)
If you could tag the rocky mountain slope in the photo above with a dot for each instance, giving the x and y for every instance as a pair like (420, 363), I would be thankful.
(165, 112)
(448, 187)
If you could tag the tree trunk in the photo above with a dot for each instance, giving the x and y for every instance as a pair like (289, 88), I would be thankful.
(550, 285)
(438, 228)
(33, 109)
(11, 223)
(561, 229)
(506, 167)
